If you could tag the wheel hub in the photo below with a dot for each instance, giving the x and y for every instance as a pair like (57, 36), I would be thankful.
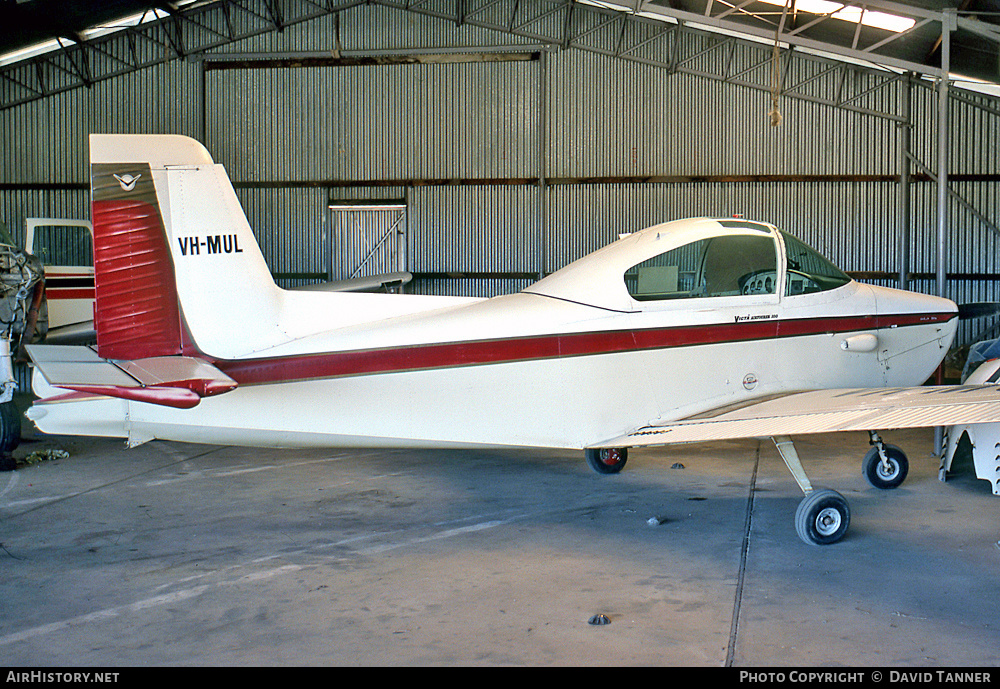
(828, 521)
(887, 470)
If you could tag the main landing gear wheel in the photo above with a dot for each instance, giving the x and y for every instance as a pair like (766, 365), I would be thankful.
(889, 473)
(607, 460)
(822, 517)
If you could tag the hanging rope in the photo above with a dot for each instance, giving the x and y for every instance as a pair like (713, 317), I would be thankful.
(775, 114)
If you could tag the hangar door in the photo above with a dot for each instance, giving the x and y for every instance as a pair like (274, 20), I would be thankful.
(366, 238)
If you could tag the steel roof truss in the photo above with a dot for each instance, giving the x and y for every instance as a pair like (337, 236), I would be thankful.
(36, 90)
(594, 29)
(665, 31)
(734, 8)
(544, 15)
(895, 36)
(479, 10)
(715, 47)
(796, 39)
(886, 82)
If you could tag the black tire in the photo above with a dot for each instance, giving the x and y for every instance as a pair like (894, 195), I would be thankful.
(10, 427)
(607, 461)
(877, 474)
(822, 517)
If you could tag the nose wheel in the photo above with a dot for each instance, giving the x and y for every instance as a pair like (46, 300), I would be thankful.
(885, 465)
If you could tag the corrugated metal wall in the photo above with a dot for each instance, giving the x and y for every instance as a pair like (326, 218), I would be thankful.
(466, 144)
(615, 117)
(844, 220)
(375, 122)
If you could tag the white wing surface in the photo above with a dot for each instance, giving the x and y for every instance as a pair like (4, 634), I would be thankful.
(827, 411)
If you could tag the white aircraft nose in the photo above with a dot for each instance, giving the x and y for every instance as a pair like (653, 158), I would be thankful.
(915, 333)
(892, 302)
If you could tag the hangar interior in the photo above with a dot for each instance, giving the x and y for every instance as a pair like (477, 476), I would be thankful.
(483, 144)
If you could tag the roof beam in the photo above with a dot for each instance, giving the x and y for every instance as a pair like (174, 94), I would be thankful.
(795, 39)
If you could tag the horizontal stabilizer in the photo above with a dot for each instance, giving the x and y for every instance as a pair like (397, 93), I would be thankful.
(74, 334)
(173, 381)
(374, 283)
(828, 411)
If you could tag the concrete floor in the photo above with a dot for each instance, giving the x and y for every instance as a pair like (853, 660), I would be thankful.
(175, 554)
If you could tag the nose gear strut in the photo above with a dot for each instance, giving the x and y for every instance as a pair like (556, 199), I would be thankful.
(885, 465)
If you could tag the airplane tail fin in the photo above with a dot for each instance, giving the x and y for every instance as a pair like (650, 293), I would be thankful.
(136, 313)
(163, 303)
(177, 268)
(182, 289)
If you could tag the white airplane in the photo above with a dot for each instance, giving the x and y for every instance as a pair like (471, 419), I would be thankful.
(688, 331)
(64, 247)
(982, 367)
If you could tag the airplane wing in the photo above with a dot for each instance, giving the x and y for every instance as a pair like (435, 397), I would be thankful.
(827, 411)
(173, 381)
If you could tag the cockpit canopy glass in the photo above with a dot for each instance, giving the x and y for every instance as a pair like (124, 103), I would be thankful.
(713, 267)
(731, 265)
(808, 270)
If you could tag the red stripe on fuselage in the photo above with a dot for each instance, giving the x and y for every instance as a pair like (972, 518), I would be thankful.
(474, 353)
(68, 286)
(68, 293)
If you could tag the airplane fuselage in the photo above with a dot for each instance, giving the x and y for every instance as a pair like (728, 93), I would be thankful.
(541, 371)
(663, 324)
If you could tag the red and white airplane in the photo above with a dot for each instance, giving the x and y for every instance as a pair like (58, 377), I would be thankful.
(64, 247)
(688, 331)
